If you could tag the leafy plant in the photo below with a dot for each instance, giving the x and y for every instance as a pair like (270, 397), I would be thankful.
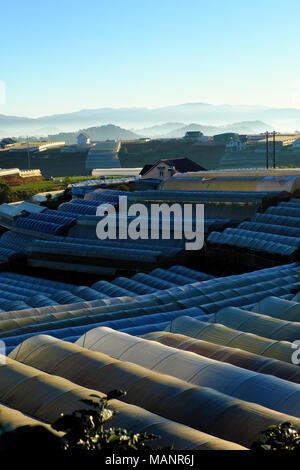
(5, 192)
(278, 437)
(84, 429)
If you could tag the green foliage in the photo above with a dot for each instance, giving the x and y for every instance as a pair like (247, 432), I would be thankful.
(289, 165)
(25, 191)
(82, 431)
(67, 180)
(5, 193)
(278, 437)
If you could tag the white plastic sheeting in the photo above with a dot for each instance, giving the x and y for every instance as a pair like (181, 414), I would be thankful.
(207, 410)
(247, 385)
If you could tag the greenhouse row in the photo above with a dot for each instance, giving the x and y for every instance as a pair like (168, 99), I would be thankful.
(218, 360)
(273, 234)
(69, 361)
(207, 355)
(149, 312)
(76, 222)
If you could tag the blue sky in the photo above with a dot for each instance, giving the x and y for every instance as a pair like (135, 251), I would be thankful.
(64, 55)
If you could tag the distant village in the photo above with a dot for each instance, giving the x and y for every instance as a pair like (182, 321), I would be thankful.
(222, 151)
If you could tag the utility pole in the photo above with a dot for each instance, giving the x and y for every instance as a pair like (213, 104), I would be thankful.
(274, 150)
(267, 149)
(28, 155)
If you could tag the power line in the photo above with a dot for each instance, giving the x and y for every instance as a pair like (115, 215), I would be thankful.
(267, 149)
(28, 155)
(274, 149)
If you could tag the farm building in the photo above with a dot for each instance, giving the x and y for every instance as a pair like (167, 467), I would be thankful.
(164, 169)
(236, 183)
(83, 139)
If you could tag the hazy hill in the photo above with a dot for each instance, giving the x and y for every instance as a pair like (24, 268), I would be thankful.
(112, 132)
(108, 132)
(221, 115)
(180, 132)
(159, 130)
(246, 127)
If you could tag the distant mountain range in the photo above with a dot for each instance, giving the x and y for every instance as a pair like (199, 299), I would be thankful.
(154, 122)
(112, 132)
(246, 127)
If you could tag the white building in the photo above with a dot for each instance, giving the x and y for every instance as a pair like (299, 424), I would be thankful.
(83, 139)
(235, 145)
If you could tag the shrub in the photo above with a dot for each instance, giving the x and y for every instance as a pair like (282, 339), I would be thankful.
(5, 193)
(84, 429)
(278, 437)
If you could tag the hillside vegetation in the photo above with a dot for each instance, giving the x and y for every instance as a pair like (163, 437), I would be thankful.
(107, 132)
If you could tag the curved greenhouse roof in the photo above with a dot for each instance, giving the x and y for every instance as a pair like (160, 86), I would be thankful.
(199, 370)
(272, 235)
(208, 410)
(236, 172)
(234, 356)
(221, 334)
(239, 183)
(46, 396)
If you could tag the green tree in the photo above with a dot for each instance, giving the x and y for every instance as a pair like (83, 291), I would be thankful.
(5, 193)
